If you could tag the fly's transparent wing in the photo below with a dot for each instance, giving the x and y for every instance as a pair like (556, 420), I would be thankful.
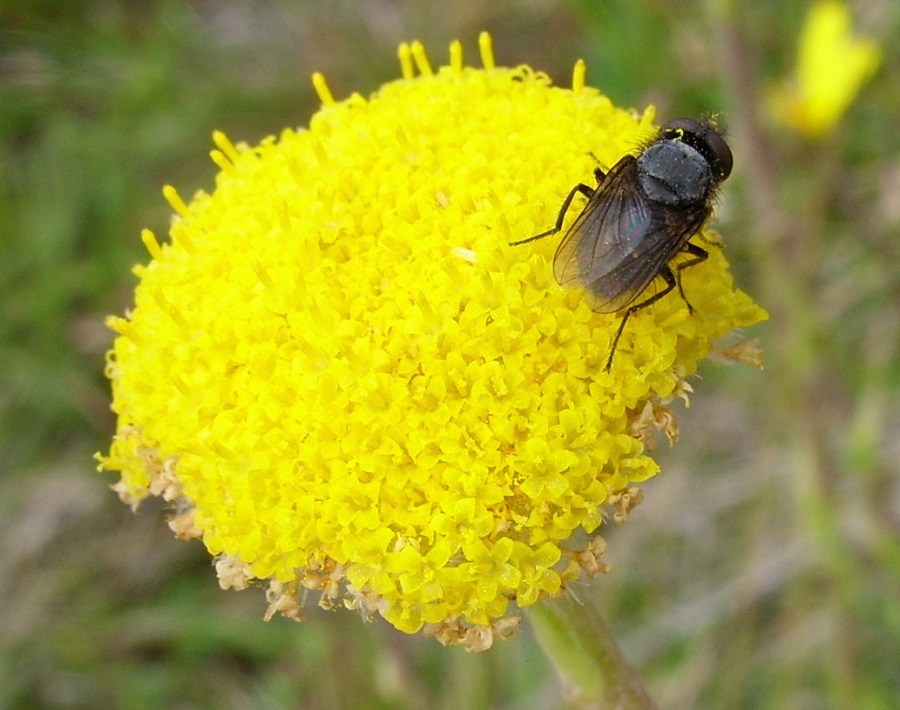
(621, 240)
(595, 240)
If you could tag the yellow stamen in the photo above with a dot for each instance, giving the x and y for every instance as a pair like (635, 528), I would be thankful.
(406, 63)
(321, 87)
(578, 75)
(122, 326)
(225, 145)
(421, 59)
(221, 161)
(150, 242)
(319, 151)
(174, 199)
(184, 240)
(487, 50)
(456, 56)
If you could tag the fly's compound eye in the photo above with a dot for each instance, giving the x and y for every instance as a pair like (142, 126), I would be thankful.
(720, 150)
(703, 137)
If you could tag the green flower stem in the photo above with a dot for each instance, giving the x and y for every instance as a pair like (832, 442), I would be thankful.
(581, 646)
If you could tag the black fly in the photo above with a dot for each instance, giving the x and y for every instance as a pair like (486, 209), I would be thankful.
(641, 215)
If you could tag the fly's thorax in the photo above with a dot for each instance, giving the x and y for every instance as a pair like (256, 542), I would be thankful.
(673, 173)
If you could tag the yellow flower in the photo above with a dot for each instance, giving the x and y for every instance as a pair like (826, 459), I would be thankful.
(348, 382)
(832, 66)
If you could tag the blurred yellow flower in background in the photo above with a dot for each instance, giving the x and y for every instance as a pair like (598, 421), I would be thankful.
(349, 384)
(832, 66)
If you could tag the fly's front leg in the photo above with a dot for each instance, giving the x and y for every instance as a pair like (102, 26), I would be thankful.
(560, 218)
(599, 173)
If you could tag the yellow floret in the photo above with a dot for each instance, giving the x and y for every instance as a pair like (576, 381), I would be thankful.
(832, 67)
(355, 385)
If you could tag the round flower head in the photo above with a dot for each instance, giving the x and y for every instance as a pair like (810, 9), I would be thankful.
(349, 383)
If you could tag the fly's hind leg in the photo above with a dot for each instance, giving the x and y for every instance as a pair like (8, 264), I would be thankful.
(560, 218)
(669, 278)
(698, 254)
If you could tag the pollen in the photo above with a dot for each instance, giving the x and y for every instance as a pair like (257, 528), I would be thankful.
(353, 390)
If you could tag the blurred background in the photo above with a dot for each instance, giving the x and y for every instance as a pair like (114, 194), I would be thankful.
(762, 570)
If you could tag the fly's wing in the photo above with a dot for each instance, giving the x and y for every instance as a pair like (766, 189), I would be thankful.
(621, 240)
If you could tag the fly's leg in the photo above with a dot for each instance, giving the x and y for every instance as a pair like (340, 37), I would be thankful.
(560, 218)
(599, 173)
(699, 254)
(669, 278)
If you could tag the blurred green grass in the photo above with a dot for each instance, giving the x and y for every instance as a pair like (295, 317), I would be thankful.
(762, 569)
